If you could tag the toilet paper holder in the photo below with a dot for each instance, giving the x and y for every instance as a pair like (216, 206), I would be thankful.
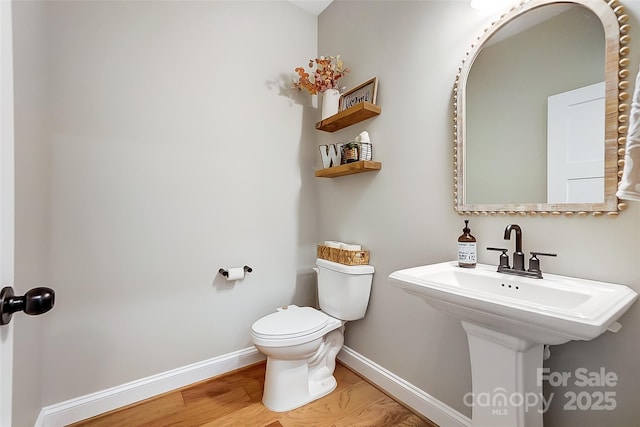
(225, 273)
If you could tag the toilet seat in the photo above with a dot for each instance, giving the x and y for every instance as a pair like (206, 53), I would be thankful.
(292, 326)
(292, 322)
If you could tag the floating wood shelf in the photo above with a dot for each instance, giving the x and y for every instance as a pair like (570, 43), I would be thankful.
(349, 169)
(348, 117)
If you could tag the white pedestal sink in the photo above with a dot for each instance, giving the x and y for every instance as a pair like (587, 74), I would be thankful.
(508, 320)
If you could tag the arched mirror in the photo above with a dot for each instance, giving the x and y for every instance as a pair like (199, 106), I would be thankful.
(540, 111)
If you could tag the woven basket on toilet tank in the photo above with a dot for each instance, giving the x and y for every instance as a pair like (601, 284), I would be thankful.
(343, 256)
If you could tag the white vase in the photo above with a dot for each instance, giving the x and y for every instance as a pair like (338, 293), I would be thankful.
(330, 101)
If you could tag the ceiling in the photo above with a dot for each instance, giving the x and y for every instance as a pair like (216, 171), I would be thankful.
(314, 6)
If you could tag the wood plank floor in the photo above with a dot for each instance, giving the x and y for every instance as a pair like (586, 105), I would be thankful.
(235, 399)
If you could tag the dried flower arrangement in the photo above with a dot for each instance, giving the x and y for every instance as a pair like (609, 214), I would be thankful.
(328, 71)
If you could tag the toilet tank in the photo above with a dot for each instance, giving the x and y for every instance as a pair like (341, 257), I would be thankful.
(343, 290)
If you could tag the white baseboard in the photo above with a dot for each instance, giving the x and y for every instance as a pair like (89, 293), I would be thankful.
(402, 391)
(88, 406)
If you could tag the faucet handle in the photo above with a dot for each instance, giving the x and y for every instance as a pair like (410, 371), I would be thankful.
(534, 262)
(533, 254)
(504, 258)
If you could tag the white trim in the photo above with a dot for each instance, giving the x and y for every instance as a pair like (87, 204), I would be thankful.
(90, 405)
(408, 394)
(7, 213)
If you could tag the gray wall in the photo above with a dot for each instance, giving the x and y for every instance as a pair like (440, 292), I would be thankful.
(404, 213)
(157, 142)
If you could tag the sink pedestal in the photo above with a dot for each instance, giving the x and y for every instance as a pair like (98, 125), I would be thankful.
(504, 371)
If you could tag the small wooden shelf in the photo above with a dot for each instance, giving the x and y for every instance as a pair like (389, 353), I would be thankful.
(349, 169)
(348, 117)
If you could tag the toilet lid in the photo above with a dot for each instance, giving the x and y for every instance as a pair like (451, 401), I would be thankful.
(290, 323)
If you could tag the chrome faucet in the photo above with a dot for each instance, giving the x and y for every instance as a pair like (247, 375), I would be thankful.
(518, 256)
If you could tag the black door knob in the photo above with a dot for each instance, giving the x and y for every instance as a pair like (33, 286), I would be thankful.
(35, 301)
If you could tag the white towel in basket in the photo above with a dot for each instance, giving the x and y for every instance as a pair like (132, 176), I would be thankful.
(629, 187)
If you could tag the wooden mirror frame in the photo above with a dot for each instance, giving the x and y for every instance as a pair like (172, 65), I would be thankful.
(616, 30)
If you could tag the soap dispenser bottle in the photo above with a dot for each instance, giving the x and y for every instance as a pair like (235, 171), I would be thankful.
(466, 247)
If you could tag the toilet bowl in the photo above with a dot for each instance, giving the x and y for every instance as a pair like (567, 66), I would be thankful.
(301, 343)
(297, 344)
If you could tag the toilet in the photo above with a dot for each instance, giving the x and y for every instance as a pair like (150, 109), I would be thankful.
(301, 343)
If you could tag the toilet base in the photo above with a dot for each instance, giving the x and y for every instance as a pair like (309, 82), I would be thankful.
(287, 385)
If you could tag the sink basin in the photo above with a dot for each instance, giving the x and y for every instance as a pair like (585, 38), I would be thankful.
(509, 320)
(552, 310)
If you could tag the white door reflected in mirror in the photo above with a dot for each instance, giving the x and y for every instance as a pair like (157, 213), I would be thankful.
(575, 158)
